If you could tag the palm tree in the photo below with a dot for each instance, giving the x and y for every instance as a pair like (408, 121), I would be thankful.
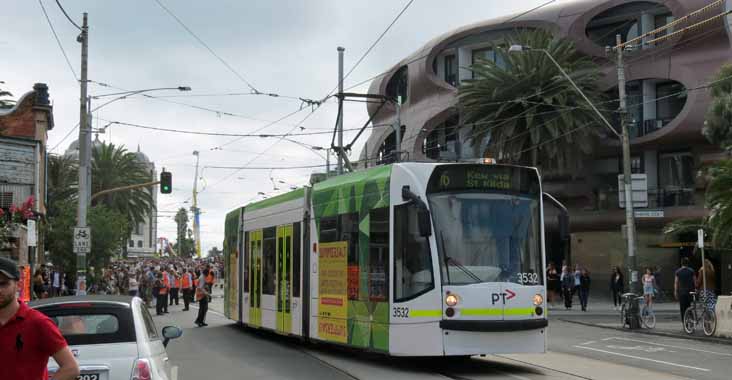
(529, 111)
(113, 167)
(5, 103)
(719, 202)
(63, 175)
(718, 125)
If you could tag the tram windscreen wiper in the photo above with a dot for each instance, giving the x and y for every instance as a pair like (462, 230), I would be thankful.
(449, 259)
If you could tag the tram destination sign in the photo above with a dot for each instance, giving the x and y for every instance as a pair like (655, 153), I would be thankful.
(488, 178)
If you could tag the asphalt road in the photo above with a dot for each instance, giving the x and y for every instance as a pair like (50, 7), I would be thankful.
(224, 350)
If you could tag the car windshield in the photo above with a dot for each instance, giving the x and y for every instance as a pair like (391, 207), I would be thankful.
(485, 237)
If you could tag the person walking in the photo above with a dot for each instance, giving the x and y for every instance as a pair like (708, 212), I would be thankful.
(567, 287)
(553, 283)
(649, 286)
(175, 287)
(28, 338)
(187, 288)
(202, 295)
(56, 282)
(617, 286)
(133, 287)
(683, 285)
(709, 294)
(584, 288)
(159, 289)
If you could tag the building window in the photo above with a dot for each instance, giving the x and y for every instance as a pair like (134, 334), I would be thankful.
(6, 199)
(138, 228)
(132, 244)
(442, 142)
(671, 98)
(630, 20)
(676, 179)
(412, 256)
(270, 260)
(488, 54)
(397, 85)
(386, 153)
(139, 244)
(451, 70)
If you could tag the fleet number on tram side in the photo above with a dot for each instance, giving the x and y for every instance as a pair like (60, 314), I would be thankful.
(400, 312)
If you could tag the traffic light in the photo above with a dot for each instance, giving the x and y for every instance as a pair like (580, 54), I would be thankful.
(166, 182)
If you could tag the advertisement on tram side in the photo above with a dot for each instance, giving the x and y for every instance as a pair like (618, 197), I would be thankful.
(333, 291)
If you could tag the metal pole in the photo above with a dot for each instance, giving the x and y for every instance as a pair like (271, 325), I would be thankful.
(196, 220)
(340, 106)
(327, 163)
(398, 129)
(84, 156)
(627, 172)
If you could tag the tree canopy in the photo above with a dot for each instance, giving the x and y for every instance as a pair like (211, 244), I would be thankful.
(529, 111)
(718, 125)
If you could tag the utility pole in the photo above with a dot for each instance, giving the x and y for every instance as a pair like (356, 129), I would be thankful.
(627, 172)
(82, 232)
(196, 213)
(327, 163)
(340, 108)
(398, 128)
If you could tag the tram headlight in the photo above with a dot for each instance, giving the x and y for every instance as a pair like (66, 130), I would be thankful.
(538, 300)
(451, 300)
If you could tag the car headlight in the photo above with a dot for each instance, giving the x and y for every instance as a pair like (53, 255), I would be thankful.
(451, 300)
(538, 299)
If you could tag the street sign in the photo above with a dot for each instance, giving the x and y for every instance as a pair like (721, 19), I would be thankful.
(32, 234)
(82, 240)
(700, 237)
(638, 190)
(649, 214)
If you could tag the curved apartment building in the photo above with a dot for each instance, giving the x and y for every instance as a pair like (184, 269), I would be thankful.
(667, 101)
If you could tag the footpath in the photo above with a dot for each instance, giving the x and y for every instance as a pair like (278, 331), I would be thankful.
(601, 313)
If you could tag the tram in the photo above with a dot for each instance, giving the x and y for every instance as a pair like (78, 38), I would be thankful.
(408, 259)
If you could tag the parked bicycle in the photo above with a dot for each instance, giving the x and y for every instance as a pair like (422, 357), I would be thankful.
(634, 312)
(700, 313)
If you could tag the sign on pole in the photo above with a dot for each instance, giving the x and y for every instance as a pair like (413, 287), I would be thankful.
(32, 234)
(82, 240)
(700, 238)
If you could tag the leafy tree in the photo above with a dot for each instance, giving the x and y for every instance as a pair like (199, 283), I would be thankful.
(718, 125)
(62, 177)
(215, 252)
(719, 202)
(184, 246)
(531, 113)
(5, 103)
(114, 167)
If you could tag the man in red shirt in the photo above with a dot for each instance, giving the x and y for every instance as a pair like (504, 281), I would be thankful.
(28, 337)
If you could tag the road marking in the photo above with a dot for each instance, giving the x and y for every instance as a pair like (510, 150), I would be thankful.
(650, 350)
(174, 372)
(670, 346)
(211, 311)
(642, 358)
(588, 342)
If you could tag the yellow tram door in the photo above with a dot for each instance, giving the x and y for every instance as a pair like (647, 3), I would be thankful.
(284, 279)
(255, 278)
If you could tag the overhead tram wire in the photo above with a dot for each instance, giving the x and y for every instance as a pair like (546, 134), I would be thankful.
(58, 41)
(67, 15)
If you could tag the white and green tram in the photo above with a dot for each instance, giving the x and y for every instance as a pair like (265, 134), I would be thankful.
(409, 259)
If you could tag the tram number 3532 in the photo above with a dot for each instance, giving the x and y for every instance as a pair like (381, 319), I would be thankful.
(400, 312)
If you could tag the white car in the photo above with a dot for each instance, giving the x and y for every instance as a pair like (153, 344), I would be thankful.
(112, 337)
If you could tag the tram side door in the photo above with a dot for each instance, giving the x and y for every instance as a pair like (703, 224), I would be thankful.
(255, 278)
(284, 279)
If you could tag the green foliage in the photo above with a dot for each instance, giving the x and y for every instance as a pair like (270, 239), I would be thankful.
(181, 221)
(63, 176)
(718, 125)
(719, 202)
(215, 252)
(114, 167)
(529, 110)
(109, 232)
(5, 103)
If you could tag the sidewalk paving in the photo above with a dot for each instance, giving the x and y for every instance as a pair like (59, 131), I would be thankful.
(601, 314)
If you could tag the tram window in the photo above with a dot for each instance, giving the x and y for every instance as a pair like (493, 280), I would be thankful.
(328, 230)
(245, 261)
(296, 260)
(348, 228)
(270, 261)
(379, 255)
(412, 256)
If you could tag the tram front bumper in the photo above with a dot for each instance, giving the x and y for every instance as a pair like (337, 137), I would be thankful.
(475, 337)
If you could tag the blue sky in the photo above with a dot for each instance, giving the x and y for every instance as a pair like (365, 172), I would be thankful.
(283, 47)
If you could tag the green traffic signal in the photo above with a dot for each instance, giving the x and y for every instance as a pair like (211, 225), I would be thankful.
(166, 182)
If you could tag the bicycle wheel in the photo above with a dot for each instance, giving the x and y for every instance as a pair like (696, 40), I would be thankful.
(648, 317)
(709, 322)
(623, 315)
(689, 320)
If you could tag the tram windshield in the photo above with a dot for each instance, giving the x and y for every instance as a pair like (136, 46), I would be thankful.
(488, 237)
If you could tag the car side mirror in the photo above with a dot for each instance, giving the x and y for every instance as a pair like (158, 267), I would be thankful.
(171, 332)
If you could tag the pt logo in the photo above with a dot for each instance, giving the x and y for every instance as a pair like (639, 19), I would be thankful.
(507, 295)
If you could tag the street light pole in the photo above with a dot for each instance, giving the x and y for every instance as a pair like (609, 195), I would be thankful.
(625, 139)
(196, 213)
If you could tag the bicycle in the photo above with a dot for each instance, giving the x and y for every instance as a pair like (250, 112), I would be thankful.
(698, 313)
(633, 314)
